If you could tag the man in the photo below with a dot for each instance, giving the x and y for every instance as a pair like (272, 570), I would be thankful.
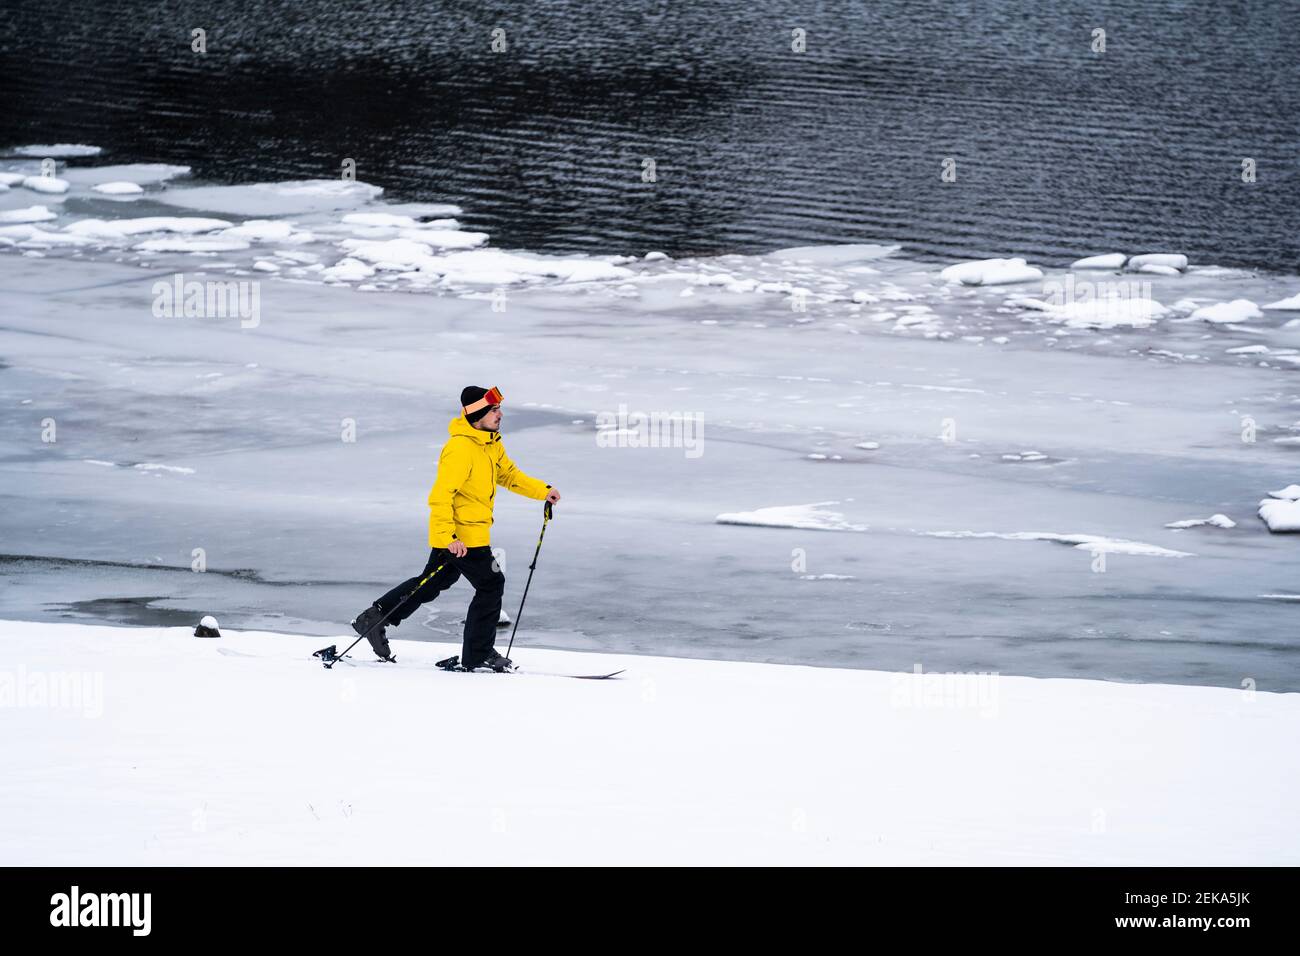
(472, 464)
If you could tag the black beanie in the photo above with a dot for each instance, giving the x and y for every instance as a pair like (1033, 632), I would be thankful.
(468, 396)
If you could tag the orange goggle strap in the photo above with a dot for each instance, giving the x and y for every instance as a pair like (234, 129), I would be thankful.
(493, 397)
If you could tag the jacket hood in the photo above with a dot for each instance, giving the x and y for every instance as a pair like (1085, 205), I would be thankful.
(461, 426)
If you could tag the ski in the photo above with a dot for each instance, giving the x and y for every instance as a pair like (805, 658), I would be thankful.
(329, 657)
(452, 665)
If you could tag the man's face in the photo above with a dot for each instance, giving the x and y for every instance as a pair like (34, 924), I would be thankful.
(490, 422)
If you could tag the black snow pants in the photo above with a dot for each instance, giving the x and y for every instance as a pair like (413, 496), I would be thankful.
(480, 570)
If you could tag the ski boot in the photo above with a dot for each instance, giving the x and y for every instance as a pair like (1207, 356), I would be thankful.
(368, 625)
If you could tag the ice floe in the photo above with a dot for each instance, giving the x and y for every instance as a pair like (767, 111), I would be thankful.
(184, 244)
(991, 272)
(347, 270)
(122, 228)
(175, 469)
(1110, 260)
(1165, 260)
(1291, 304)
(56, 150)
(1280, 511)
(46, 184)
(142, 174)
(275, 199)
(118, 188)
(1101, 312)
(1222, 313)
(1097, 544)
(812, 517)
(30, 214)
(1216, 520)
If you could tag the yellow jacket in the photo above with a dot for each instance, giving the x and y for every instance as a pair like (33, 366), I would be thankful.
(472, 464)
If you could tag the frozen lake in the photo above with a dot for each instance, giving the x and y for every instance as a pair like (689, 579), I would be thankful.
(987, 419)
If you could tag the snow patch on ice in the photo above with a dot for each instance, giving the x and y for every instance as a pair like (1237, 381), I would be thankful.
(118, 188)
(1097, 544)
(46, 184)
(812, 517)
(56, 150)
(121, 228)
(275, 199)
(1216, 520)
(1238, 310)
(154, 466)
(1291, 304)
(181, 244)
(983, 272)
(1110, 260)
(30, 214)
(1166, 260)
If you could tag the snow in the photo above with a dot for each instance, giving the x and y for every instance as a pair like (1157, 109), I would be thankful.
(1238, 310)
(1280, 515)
(1175, 261)
(154, 466)
(833, 255)
(811, 517)
(121, 228)
(45, 184)
(43, 239)
(119, 188)
(275, 199)
(405, 252)
(148, 746)
(495, 267)
(388, 219)
(1134, 441)
(30, 214)
(1155, 268)
(1217, 520)
(1290, 304)
(56, 150)
(1094, 543)
(1280, 511)
(181, 244)
(1111, 260)
(142, 174)
(348, 270)
(991, 272)
(1103, 312)
(11, 179)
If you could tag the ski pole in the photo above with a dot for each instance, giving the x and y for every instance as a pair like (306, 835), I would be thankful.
(329, 665)
(532, 567)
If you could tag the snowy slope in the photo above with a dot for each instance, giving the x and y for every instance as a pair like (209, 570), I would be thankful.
(244, 750)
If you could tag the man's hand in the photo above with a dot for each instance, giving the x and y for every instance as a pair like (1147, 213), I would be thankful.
(457, 548)
(553, 495)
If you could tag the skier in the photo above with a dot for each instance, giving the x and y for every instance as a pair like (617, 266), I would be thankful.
(472, 463)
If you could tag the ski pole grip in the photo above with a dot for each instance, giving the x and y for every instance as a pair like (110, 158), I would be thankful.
(548, 511)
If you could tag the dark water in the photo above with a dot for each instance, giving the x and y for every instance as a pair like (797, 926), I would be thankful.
(1060, 151)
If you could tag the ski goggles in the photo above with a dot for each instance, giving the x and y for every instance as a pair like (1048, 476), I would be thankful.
(493, 397)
